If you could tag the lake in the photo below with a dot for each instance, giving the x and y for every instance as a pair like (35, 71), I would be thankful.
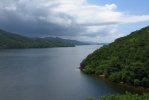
(49, 74)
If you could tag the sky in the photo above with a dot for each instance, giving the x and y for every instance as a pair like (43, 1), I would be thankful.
(84, 20)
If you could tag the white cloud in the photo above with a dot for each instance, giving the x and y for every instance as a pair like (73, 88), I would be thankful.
(10, 8)
(86, 14)
(134, 19)
(96, 21)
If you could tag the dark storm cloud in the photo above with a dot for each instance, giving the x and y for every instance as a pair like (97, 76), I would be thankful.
(37, 18)
(26, 20)
(36, 27)
(64, 18)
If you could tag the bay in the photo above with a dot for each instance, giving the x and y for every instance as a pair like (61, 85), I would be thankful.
(49, 74)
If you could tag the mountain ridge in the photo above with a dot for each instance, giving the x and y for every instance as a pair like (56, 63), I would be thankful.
(126, 60)
(10, 40)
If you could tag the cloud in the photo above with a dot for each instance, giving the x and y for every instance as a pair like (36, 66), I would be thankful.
(76, 19)
(134, 19)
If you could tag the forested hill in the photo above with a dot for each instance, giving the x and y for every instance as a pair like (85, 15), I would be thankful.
(126, 60)
(10, 40)
(75, 42)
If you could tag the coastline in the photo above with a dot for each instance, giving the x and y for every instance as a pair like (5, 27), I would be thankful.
(131, 88)
(137, 89)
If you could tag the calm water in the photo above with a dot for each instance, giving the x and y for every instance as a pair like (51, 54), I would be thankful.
(49, 74)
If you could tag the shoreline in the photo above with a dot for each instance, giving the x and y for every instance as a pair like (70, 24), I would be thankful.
(129, 87)
(137, 89)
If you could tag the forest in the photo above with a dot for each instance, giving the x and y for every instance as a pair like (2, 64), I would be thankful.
(126, 60)
(10, 40)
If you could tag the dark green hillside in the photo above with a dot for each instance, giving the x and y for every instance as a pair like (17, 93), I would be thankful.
(10, 40)
(67, 41)
(126, 60)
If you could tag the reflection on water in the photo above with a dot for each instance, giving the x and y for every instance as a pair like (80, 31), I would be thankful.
(49, 74)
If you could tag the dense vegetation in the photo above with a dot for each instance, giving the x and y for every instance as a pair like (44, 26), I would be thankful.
(9, 41)
(126, 60)
(127, 96)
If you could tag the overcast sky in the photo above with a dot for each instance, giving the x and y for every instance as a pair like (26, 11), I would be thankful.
(85, 20)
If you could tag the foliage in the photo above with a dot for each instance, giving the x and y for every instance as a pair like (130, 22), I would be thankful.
(125, 60)
(11, 41)
(127, 96)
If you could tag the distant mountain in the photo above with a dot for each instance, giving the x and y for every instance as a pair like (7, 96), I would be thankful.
(95, 43)
(74, 42)
(10, 41)
(124, 61)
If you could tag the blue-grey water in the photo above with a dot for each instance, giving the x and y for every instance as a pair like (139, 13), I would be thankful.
(49, 74)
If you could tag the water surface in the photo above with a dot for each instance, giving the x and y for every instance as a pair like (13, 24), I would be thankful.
(49, 74)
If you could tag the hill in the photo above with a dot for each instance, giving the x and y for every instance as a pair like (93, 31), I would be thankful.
(126, 60)
(67, 41)
(10, 41)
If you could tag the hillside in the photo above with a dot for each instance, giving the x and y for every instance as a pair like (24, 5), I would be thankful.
(124, 61)
(67, 41)
(10, 40)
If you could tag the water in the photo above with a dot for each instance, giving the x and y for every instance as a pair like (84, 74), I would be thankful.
(49, 74)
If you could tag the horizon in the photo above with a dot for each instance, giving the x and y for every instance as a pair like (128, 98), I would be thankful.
(83, 20)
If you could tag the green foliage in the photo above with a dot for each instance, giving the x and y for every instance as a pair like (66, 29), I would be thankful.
(127, 96)
(137, 82)
(125, 60)
(90, 98)
(115, 77)
(11, 41)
